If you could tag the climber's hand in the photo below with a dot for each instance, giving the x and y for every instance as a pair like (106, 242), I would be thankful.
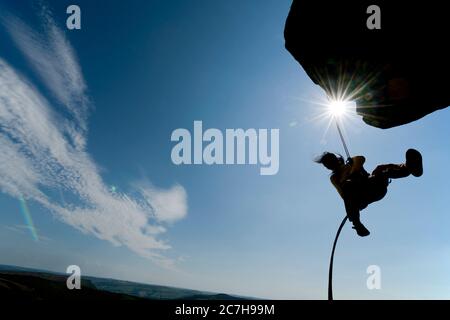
(350, 161)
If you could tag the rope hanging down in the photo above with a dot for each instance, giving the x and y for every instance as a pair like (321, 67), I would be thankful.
(342, 138)
(330, 270)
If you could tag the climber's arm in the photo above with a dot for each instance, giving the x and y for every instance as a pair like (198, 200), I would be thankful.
(357, 164)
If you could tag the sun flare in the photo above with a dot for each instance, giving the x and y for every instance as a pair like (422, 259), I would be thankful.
(338, 108)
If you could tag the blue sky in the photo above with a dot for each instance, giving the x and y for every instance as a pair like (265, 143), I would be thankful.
(86, 121)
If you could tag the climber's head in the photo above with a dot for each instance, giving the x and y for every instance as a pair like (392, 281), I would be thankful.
(330, 160)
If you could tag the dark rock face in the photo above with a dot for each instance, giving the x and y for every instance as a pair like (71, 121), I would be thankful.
(396, 74)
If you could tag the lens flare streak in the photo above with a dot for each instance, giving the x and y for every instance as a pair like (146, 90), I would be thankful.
(28, 219)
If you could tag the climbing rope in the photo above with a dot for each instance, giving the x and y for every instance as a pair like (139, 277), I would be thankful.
(342, 138)
(330, 270)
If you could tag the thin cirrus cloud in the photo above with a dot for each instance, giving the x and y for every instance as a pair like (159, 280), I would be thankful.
(54, 60)
(43, 150)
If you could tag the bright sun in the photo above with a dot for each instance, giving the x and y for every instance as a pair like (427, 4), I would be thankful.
(338, 108)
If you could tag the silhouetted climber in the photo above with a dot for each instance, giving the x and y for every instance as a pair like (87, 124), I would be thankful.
(358, 189)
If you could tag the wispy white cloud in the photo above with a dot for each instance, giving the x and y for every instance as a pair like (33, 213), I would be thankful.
(55, 62)
(43, 151)
(168, 205)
